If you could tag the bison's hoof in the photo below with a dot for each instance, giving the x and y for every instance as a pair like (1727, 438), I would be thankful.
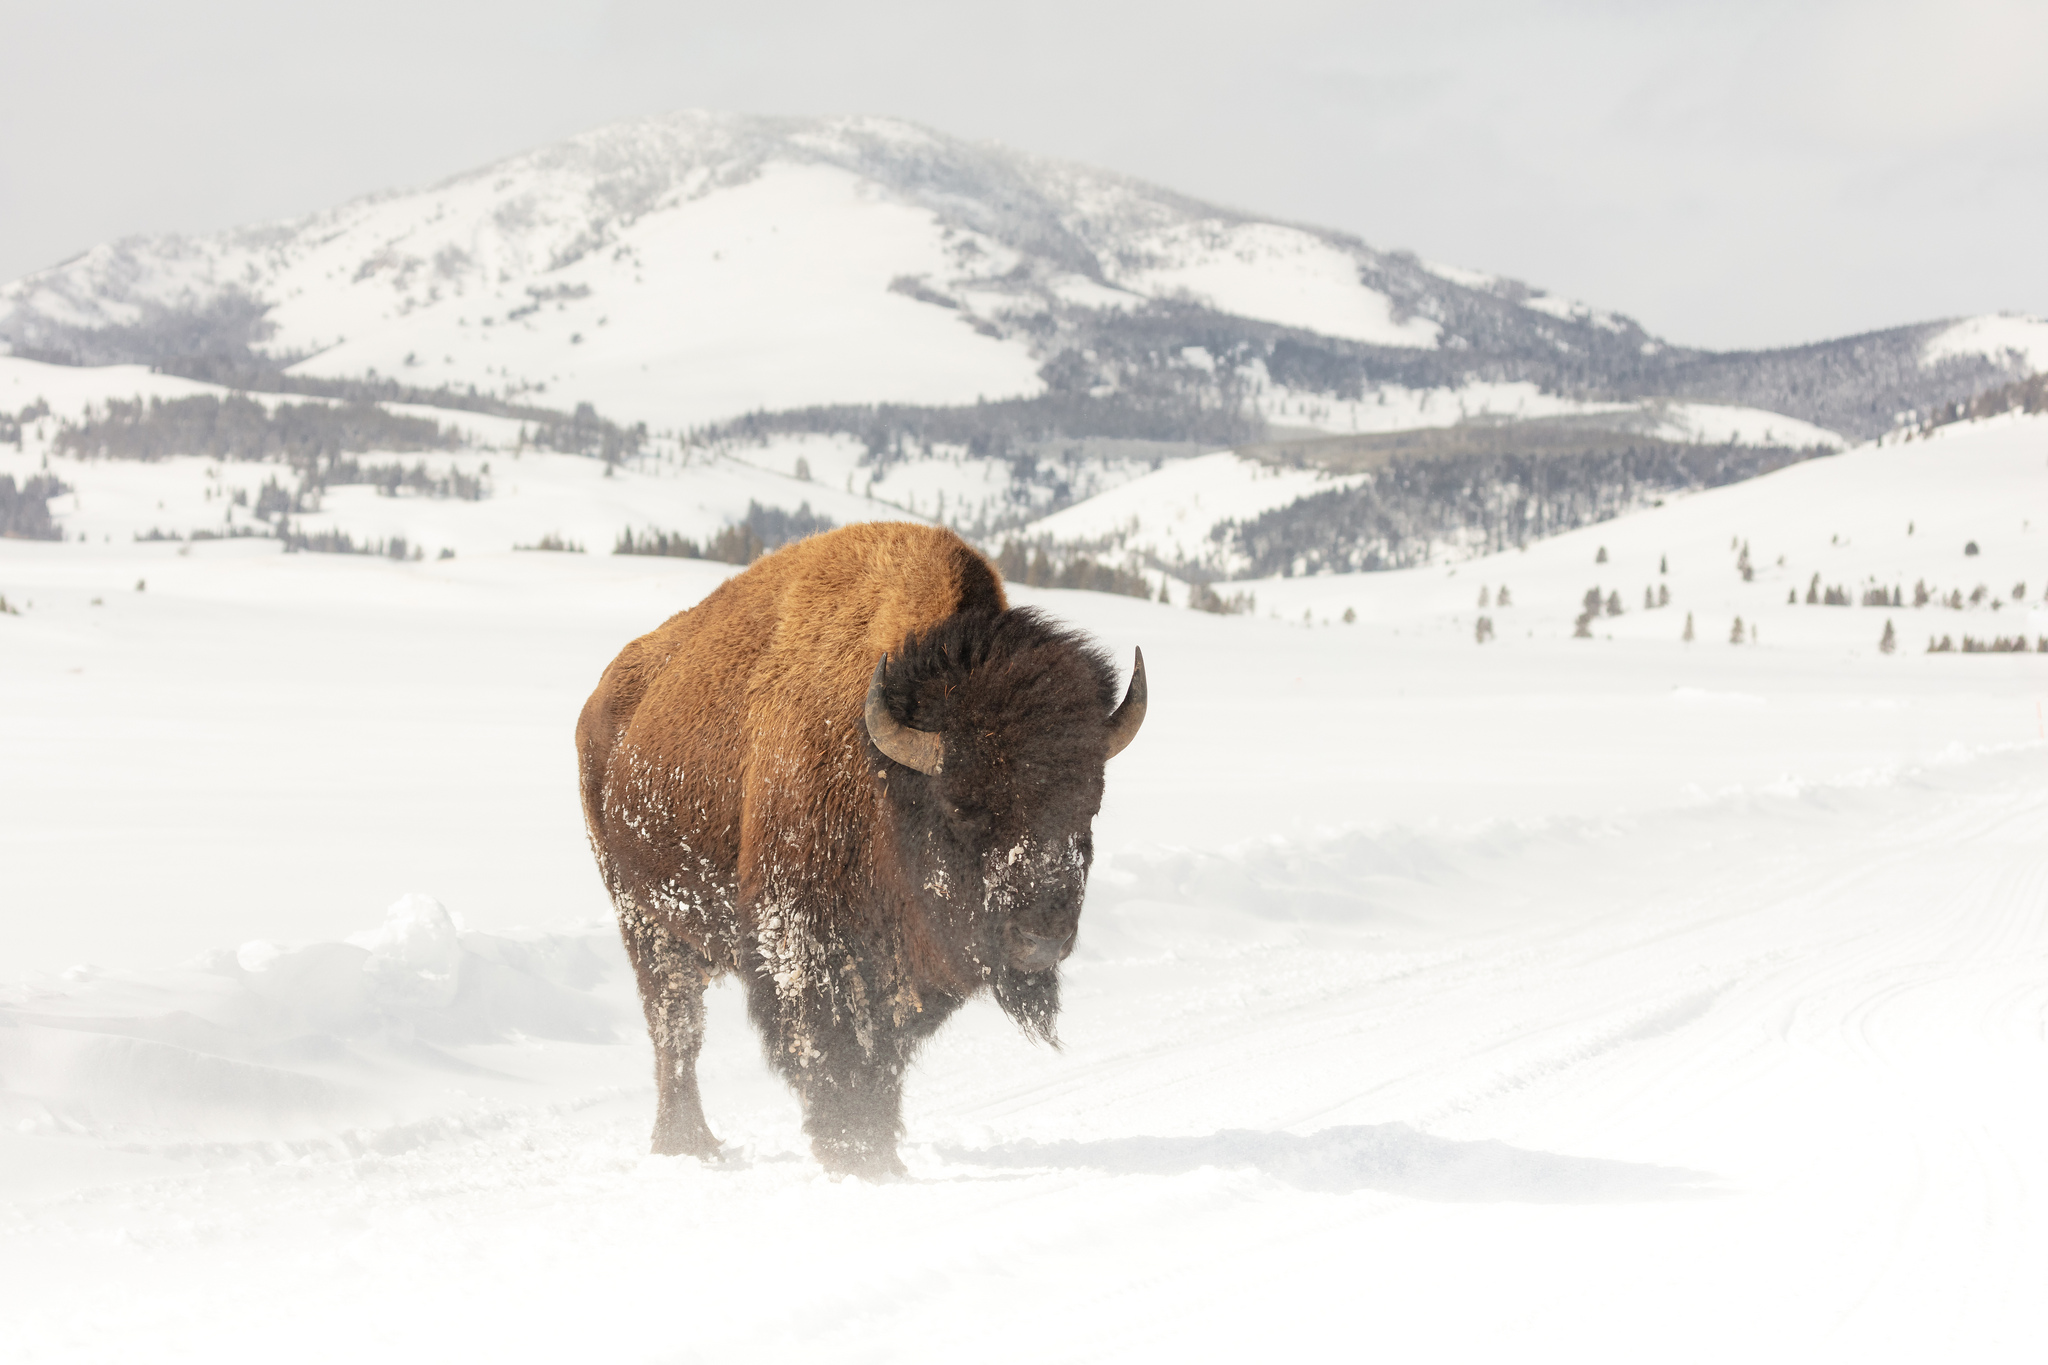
(703, 1146)
(871, 1163)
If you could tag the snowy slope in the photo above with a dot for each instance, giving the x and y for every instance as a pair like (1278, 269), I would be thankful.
(1175, 515)
(533, 493)
(1726, 424)
(697, 266)
(1598, 999)
(70, 389)
(1398, 407)
(1169, 512)
(2004, 335)
(1888, 516)
(1275, 274)
(692, 267)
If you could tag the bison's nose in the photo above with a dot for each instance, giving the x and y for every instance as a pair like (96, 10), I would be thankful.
(1041, 952)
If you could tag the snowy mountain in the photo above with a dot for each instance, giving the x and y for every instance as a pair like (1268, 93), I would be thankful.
(688, 268)
(909, 323)
(682, 269)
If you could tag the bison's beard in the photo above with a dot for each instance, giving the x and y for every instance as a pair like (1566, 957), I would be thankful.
(1032, 999)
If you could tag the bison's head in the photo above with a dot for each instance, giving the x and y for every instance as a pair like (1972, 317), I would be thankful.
(990, 732)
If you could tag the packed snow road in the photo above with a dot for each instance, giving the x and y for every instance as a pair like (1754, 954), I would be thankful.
(1608, 999)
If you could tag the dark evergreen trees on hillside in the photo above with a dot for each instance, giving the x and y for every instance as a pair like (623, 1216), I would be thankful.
(25, 510)
(239, 428)
(761, 530)
(1406, 510)
(1038, 569)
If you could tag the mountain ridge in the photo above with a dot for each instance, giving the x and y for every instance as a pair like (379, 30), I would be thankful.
(939, 271)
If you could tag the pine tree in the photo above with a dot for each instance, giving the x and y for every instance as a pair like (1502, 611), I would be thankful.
(1601, 558)
(1735, 635)
(1791, 597)
(1614, 603)
(1485, 597)
(1483, 631)
(1663, 594)
(1687, 637)
(1813, 592)
(1582, 628)
(1502, 597)
(1012, 563)
(1649, 599)
(1663, 564)
(1890, 642)
(1350, 616)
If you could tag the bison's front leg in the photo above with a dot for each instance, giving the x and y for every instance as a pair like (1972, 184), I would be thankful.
(672, 977)
(842, 1031)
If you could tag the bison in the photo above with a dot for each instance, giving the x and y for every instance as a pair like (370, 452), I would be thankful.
(858, 778)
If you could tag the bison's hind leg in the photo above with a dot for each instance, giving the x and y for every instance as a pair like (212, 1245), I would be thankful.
(672, 976)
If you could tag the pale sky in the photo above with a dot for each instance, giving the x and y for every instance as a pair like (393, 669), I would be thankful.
(1730, 174)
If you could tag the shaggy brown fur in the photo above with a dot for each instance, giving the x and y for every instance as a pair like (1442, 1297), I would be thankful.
(743, 819)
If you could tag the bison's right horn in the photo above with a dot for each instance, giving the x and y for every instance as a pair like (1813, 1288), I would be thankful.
(1125, 720)
(919, 749)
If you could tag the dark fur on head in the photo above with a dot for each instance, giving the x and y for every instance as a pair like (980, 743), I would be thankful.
(999, 842)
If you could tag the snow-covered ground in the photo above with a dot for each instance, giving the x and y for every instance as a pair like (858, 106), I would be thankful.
(531, 493)
(534, 495)
(1273, 273)
(1591, 999)
(1169, 512)
(948, 483)
(2019, 336)
(1127, 495)
(1393, 407)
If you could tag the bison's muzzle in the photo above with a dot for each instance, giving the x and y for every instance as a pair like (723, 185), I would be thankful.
(1031, 952)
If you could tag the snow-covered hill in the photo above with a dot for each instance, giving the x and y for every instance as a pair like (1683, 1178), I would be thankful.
(526, 494)
(1186, 515)
(682, 269)
(692, 267)
(1554, 998)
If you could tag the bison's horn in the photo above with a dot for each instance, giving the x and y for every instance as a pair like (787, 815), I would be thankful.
(919, 749)
(1125, 720)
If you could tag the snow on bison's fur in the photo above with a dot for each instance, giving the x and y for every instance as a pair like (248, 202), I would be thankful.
(858, 778)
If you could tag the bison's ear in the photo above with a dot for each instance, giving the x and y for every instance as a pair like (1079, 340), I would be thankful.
(919, 749)
(1125, 720)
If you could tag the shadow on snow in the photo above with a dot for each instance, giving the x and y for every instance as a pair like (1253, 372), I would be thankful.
(1391, 1157)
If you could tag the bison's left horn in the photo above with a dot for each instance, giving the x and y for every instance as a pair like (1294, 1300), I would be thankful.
(919, 749)
(1125, 720)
